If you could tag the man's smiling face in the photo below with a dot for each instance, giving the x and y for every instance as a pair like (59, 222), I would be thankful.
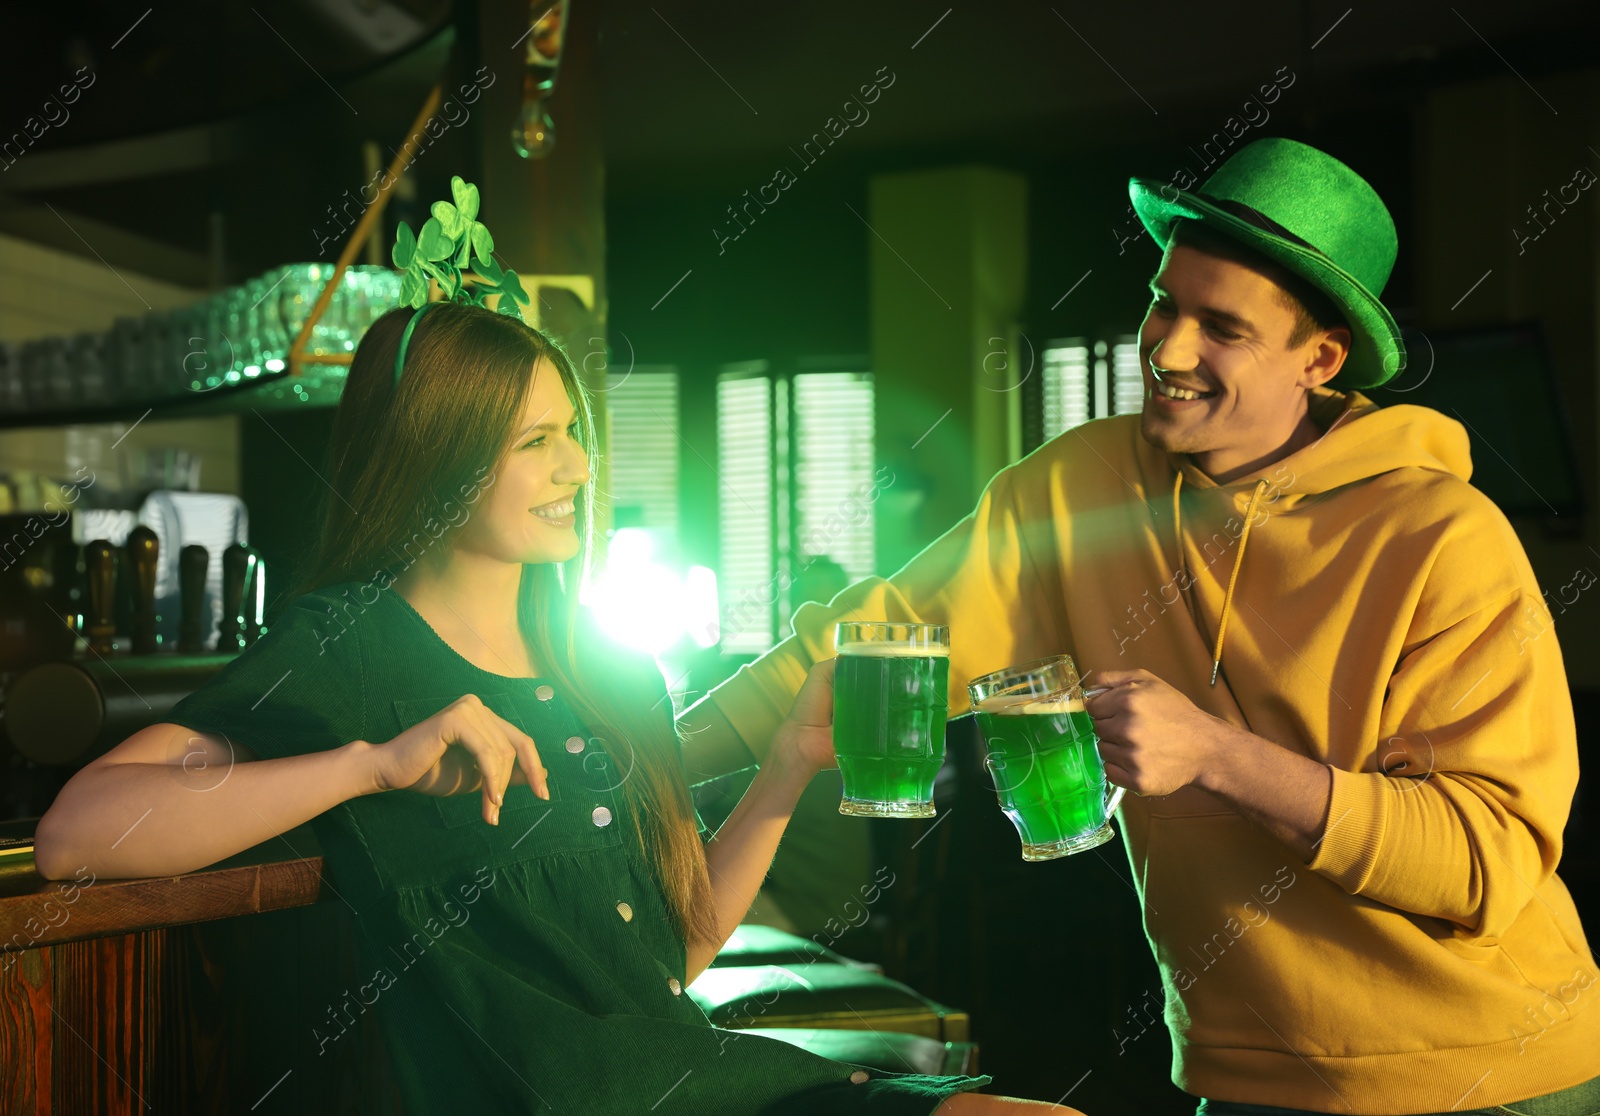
(1221, 380)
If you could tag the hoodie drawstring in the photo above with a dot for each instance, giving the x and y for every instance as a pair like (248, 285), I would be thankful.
(1238, 560)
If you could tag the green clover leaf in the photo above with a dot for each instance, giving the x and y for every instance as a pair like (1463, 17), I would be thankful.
(482, 242)
(449, 218)
(512, 297)
(405, 246)
(512, 286)
(489, 269)
(466, 197)
(413, 289)
(435, 243)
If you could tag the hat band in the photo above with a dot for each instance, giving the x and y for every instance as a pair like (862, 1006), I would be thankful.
(1259, 219)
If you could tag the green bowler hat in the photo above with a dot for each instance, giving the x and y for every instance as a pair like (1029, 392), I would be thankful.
(1309, 212)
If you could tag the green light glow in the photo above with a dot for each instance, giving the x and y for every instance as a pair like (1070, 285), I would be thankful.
(641, 603)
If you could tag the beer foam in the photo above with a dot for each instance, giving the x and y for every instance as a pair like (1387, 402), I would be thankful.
(1016, 705)
(890, 649)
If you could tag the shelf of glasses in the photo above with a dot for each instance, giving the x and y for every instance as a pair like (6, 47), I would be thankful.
(317, 386)
(223, 355)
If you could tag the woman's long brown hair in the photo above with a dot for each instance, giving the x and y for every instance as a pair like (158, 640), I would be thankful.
(404, 454)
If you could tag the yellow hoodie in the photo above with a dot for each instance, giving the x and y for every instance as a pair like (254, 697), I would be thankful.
(1381, 618)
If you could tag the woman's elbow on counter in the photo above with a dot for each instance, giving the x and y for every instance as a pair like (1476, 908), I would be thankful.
(52, 854)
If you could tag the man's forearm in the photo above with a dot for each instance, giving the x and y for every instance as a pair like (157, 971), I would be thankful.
(1285, 793)
(712, 747)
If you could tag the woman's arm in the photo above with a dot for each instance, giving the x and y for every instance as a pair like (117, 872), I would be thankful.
(740, 854)
(169, 800)
(991, 576)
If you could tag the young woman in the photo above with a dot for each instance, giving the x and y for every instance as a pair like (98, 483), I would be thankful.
(499, 794)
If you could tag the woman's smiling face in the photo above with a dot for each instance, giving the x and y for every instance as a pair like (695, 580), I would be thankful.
(529, 514)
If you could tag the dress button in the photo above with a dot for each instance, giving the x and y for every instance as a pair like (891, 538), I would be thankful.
(574, 744)
(859, 1077)
(625, 911)
(674, 987)
(601, 816)
(544, 693)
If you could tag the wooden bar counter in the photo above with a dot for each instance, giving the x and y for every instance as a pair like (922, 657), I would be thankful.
(186, 994)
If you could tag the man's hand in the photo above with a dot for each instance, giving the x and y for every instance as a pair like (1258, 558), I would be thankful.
(1153, 739)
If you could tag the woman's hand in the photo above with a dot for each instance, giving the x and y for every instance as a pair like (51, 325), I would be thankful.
(463, 747)
(804, 742)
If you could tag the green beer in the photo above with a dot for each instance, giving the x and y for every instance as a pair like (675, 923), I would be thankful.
(1046, 768)
(1044, 757)
(890, 696)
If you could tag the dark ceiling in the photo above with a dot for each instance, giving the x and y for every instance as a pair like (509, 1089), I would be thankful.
(264, 105)
(185, 64)
(1040, 77)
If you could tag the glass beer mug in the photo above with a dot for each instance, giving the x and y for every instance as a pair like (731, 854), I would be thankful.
(890, 696)
(1044, 757)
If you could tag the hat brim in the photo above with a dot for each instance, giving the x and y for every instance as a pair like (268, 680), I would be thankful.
(1377, 352)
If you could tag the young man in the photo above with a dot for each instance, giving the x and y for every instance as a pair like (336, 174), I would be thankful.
(1333, 689)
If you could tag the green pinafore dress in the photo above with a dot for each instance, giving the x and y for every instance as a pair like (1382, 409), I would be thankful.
(529, 967)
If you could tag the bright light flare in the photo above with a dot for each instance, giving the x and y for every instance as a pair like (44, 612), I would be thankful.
(641, 603)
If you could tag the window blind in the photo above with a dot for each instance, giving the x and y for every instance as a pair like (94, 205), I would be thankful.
(1067, 386)
(747, 575)
(642, 414)
(1127, 378)
(833, 424)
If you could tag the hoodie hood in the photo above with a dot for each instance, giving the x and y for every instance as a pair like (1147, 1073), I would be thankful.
(1360, 440)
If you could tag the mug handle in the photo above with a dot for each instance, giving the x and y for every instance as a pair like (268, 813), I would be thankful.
(1113, 793)
(1112, 799)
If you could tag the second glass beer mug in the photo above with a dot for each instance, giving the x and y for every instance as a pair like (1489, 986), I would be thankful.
(1044, 756)
(890, 695)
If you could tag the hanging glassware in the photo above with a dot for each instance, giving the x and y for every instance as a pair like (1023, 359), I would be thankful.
(533, 134)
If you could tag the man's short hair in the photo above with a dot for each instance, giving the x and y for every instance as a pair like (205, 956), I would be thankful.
(1312, 310)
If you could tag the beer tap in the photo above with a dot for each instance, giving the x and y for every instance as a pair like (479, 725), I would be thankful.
(193, 563)
(100, 568)
(236, 563)
(144, 549)
(255, 600)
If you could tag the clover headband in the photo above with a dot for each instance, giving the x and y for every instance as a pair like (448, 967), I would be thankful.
(452, 242)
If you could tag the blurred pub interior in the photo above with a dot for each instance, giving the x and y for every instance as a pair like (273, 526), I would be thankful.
(824, 274)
